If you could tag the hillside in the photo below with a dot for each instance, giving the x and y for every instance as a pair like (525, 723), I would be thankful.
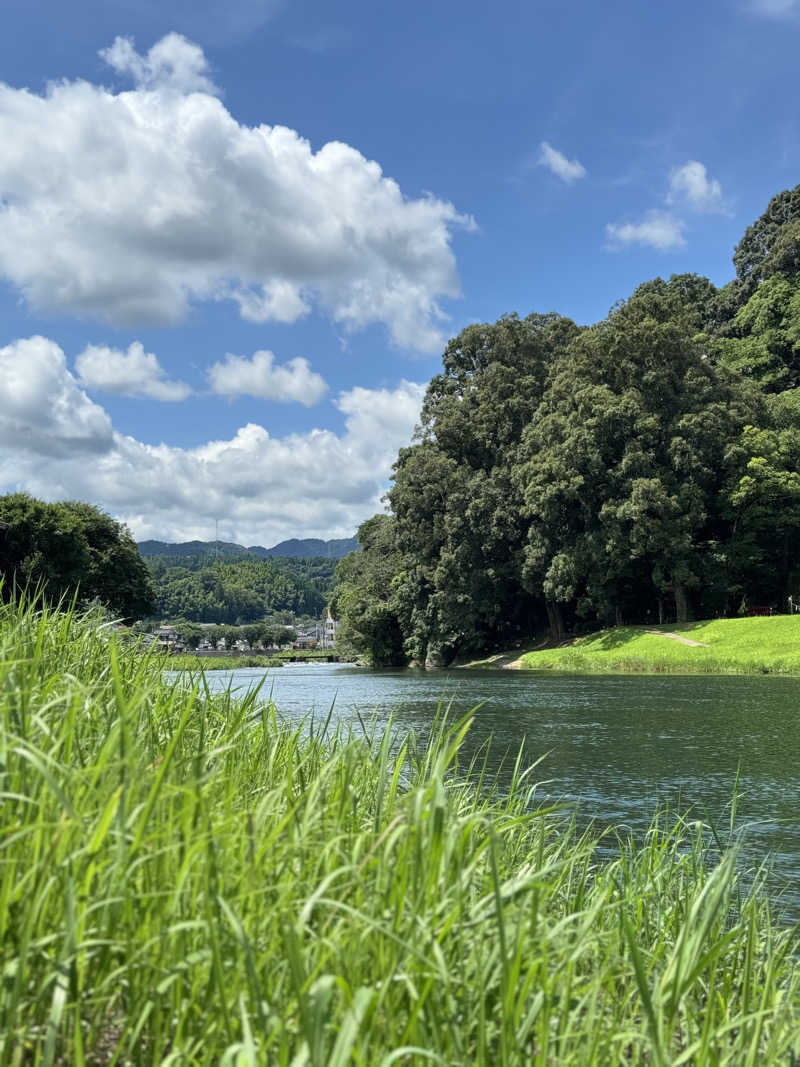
(236, 590)
(310, 548)
(721, 646)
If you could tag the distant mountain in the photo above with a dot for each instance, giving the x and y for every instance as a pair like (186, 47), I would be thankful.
(312, 547)
(191, 548)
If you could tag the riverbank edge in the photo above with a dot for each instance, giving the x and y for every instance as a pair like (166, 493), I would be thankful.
(749, 646)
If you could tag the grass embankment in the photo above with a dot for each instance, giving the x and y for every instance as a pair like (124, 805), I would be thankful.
(724, 646)
(308, 655)
(189, 662)
(185, 881)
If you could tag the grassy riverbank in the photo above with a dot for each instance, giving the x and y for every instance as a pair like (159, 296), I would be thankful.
(183, 880)
(723, 646)
(189, 662)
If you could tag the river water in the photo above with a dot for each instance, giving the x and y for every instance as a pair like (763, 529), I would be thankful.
(615, 748)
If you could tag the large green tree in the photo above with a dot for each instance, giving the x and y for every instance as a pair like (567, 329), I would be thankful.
(764, 502)
(640, 468)
(71, 549)
(364, 597)
(772, 244)
(624, 463)
(460, 528)
(763, 338)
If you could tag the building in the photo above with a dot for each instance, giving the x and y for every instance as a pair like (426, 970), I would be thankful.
(170, 639)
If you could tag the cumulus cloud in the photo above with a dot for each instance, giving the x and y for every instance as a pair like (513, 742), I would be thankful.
(382, 415)
(568, 170)
(261, 376)
(691, 184)
(172, 63)
(131, 373)
(658, 229)
(44, 413)
(57, 444)
(130, 206)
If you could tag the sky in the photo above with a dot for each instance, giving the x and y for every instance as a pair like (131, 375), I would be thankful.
(235, 238)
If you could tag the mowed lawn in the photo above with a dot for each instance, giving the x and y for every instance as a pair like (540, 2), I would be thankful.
(763, 645)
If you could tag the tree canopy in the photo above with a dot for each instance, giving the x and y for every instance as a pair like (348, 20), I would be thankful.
(71, 550)
(645, 467)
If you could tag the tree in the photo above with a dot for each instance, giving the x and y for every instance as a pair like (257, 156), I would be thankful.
(72, 549)
(601, 472)
(363, 596)
(764, 500)
(763, 341)
(771, 245)
(460, 529)
(623, 464)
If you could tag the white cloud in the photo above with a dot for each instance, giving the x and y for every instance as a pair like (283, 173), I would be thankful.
(172, 63)
(261, 376)
(261, 488)
(568, 170)
(44, 414)
(131, 373)
(279, 301)
(658, 229)
(129, 206)
(691, 184)
(382, 416)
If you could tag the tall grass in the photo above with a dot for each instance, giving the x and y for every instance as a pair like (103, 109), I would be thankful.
(183, 880)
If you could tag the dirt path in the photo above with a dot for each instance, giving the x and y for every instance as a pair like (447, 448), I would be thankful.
(679, 637)
(505, 660)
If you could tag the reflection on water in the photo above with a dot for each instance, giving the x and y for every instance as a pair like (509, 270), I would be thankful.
(615, 747)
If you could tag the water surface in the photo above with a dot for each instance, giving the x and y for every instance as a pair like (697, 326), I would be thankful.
(615, 747)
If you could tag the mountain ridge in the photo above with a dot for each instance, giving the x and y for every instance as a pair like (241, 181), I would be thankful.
(295, 548)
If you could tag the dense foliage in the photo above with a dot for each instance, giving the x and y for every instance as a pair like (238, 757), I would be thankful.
(641, 469)
(363, 596)
(71, 550)
(187, 881)
(238, 590)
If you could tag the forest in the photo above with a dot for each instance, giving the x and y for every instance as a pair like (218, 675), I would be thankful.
(645, 468)
(71, 550)
(235, 591)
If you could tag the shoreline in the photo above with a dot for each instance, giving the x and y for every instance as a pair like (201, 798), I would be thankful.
(760, 645)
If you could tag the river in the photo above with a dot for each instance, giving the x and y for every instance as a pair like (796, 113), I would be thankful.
(615, 748)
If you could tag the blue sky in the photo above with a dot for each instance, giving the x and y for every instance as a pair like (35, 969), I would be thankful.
(234, 238)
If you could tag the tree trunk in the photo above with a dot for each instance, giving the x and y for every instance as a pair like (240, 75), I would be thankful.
(784, 569)
(660, 611)
(681, 603)
(555, 618)
(437, 656)
(617, 616)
